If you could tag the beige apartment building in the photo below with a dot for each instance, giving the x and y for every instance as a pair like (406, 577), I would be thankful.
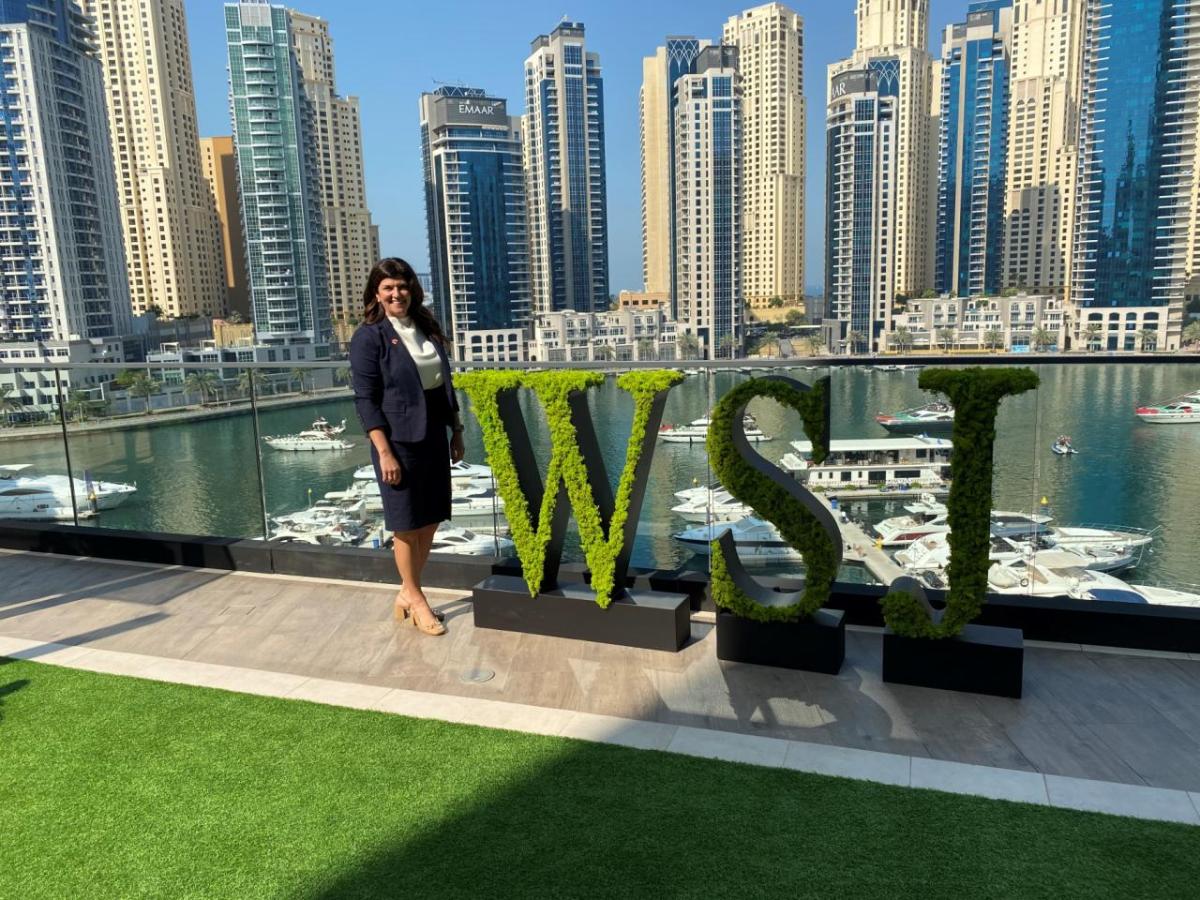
(1042, 143)
(169, 223)
(218, 165)
(350, 244)
(893, 42)
(770, 44)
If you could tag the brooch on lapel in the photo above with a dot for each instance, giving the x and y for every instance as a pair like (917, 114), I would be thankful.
(395, 341)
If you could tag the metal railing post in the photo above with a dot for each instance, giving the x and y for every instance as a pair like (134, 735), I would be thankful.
(62, 418)
(262, 482)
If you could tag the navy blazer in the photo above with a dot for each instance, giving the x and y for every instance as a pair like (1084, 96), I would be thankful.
(387, 385)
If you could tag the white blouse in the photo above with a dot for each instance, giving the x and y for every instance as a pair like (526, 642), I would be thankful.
(421, 348)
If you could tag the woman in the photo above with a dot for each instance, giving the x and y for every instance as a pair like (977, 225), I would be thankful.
(405, 400)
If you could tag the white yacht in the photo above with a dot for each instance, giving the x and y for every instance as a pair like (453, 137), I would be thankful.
(89, 492)
(1032, 579)
(462, 542)
(932, 418)
(873, 463)
(318, 436)
(930, 516)
(1179, 411)
(932, 553)
(29, 502)
(757, 541)
(711, 505)
(481, 505)
(696, 432)
(458, 471)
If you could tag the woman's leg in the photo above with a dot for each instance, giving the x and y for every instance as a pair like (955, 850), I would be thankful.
(411, 550)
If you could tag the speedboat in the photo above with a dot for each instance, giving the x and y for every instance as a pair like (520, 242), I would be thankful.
(696, 432)
(1179, 411)
(89, 493)
(1062, 446)
(930, 516)
(31, 502)
(318, 436)
(481, 505)
(1026, 578)
(757, 541)
(932, 418)
(711, 505)
(932, 552)
(462, 542)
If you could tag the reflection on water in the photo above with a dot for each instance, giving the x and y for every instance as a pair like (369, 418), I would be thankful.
(202, 477)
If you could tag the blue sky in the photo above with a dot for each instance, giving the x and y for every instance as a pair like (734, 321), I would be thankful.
(387, 54)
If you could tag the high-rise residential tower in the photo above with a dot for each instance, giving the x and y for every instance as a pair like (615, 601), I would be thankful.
(218, 165)
(172, 238)
(1043, 124)
(708, 200)
(60, 228)
(893, 43)
(475, 210)
(563, 134)
(770, 43)
(1135, 214)
(860, 206)
(337, 150)
(976, 58)
(278, 179)
(656, 120)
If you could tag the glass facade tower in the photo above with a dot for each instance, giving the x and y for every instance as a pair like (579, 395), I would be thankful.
(475, 210)
(278, 179)
(972, 155)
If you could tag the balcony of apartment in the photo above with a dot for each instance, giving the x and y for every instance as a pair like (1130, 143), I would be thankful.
(180, 547)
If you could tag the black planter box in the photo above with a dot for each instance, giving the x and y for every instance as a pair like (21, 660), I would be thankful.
(982, 660)
(814, 645)
(651, 620)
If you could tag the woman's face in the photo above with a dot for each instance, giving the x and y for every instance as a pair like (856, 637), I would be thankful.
(393, 296)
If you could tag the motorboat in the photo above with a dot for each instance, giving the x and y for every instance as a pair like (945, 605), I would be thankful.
(463, 542)
(930, 516)
(1032, 579)
(482, 505)
(31, 502)
(932, 552)
(1179, 411)
(458, 471)
(711, 505)
(318, 436)
(1062, 446)
(696, 432)
(90, 493)
(932, 418)
(897, 463)
(756, 541)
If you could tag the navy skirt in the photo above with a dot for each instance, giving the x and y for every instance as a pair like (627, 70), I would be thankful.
(423, 495)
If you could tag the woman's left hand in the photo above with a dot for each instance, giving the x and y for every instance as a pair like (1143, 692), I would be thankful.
(457, 449)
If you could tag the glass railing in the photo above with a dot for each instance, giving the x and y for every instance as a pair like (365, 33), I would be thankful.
(270, 453)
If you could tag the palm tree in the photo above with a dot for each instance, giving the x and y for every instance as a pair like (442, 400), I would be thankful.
(1093, 335)
(297, 376)
(945, 337)
(993, 338)
(689, 346)
(1191, 334)
(645, 348)
(143, 386)
(9, 403)
(78, 405)
(1041, 339)
(250, 378)
(854, 339)
(204, 384)
(814, 344)
(725, 347)
(902, 340)
(1148, 339)
(604, 352)
(342, 375)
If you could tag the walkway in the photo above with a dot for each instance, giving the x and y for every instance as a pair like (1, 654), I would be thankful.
(1096, 730)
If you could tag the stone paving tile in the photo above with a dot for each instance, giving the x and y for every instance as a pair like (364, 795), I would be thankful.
(982, 781)
(728, 745)
(625, 732)
(339, 693)
(848, 762)
(1122, 799)
(111, 662)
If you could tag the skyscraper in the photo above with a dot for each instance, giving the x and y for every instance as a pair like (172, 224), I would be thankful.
(218, 166)
(1135, 215)
(564, 173)
(278, 178)
(973, 149)
(770, 42)
(475, 209)
(656, 119)
(60, 229)
(893, 42)
(337, 151)
(1043, 125)
(860, 204)
(708, 189)
(172, 244)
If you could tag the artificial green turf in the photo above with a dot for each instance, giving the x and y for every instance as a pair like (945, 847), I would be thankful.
(117, 787)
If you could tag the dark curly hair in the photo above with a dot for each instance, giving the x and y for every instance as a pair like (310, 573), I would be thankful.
(392, 267)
